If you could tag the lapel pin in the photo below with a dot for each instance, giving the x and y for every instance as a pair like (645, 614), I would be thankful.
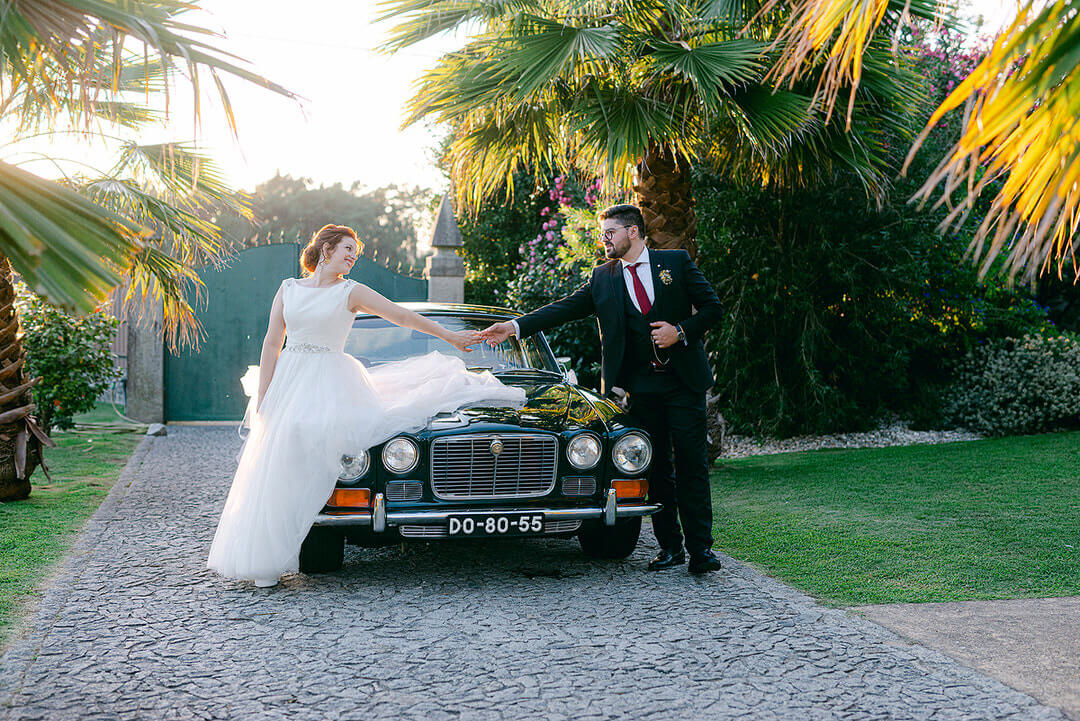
(665, 276)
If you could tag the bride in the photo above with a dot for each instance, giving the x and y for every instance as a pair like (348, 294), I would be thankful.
(316, 403)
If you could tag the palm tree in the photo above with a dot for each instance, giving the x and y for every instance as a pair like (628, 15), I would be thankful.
(73, 63)
(636, 92)
(1020, 140)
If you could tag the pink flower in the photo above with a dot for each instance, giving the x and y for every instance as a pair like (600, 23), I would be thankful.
(549, 235)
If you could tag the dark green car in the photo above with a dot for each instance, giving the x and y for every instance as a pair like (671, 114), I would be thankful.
(569, 462)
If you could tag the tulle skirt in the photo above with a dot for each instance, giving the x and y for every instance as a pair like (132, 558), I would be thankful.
(318, 407)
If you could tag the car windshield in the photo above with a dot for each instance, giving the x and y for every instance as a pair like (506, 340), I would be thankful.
(373, 341)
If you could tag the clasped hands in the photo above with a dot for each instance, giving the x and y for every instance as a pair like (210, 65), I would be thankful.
(663, 334)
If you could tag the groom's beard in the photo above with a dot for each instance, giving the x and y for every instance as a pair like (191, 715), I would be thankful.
(614, 251)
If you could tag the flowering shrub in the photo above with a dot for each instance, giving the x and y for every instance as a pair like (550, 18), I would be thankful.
(1011, 386)
(555, 263)
(71, 353)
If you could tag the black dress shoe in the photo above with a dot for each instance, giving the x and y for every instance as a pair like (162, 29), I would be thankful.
(704, 562)
(667, 559)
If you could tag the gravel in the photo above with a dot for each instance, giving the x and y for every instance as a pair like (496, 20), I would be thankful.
(133, 627)
(895, 433)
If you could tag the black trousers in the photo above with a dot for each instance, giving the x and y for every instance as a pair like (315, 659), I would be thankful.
(675, 420)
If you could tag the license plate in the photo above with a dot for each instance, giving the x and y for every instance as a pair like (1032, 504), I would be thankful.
(501, 524)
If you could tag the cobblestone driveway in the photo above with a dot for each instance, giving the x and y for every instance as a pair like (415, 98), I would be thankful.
(134, 627)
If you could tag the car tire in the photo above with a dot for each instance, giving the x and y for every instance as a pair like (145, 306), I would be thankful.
(323, 551)
(618, 541)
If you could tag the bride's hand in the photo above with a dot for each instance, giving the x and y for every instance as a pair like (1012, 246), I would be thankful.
(462, 339)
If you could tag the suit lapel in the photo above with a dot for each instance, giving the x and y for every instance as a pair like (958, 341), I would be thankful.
(616, 289)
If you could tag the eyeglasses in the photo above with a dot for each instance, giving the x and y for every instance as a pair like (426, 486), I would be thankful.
(610, 232)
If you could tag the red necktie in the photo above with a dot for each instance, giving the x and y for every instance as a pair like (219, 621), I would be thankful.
(639, 290)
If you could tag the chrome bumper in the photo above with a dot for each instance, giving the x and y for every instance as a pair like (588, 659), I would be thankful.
(379, 518)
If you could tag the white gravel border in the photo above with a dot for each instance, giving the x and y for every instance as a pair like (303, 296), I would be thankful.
(895, 433)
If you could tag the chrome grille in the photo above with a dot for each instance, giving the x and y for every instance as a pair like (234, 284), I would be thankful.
(466, 467)
(561, 526)
(417, 531)
(404, 491)
(579, 486)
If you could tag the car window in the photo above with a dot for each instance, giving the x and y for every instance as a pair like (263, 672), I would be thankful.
(375, 340)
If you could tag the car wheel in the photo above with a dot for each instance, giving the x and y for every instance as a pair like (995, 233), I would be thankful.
(618, 541)
(323, 550)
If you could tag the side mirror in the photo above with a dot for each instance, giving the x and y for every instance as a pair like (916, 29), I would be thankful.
(569, 374)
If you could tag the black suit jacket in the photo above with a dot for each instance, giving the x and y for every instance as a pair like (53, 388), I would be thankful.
(602, 296)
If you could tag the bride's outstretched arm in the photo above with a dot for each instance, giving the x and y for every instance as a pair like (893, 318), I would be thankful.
(271, 348)
(362, 298)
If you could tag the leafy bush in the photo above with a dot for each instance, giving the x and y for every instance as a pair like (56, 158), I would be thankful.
(491, 238)
(554, 264)
(838, 313)
(72, 355)
(1011, 386)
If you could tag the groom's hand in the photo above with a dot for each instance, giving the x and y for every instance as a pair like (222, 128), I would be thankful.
(496, 333)
(664, 334)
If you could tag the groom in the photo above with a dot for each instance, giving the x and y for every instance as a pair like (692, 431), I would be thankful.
(651, 347)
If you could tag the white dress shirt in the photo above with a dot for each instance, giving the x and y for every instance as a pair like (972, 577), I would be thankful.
(644, 272)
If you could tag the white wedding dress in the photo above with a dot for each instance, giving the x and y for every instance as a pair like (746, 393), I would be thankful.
(323, 403)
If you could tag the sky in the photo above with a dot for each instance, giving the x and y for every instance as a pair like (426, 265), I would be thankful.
(347, 127)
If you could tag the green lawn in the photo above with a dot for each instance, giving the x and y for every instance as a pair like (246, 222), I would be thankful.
(37, 532)
(976, 520)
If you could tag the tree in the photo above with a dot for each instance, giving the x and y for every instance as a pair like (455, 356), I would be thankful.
(637, 92)
(386, 218)
(74, 66)
(1020, 142)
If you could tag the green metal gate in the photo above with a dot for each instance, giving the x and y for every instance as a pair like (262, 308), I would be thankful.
(205, 386)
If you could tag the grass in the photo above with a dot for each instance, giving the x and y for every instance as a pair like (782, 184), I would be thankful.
(38, 532)
(959, 521)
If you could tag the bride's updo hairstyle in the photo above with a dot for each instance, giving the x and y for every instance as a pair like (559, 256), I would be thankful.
(326, 237)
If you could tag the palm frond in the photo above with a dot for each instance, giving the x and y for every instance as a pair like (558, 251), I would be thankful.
(830, 39)
(65, 247)
(419, 20)
(1021, 105)
(77, 47)
(713, 69)
(542, 50)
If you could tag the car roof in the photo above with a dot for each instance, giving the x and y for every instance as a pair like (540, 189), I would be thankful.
(453, 309)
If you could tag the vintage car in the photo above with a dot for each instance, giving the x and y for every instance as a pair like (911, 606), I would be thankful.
(568, 462)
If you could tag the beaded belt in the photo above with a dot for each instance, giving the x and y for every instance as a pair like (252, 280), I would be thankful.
(308, 348)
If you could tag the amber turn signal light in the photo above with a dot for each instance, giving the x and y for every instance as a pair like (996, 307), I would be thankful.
(635, 488)
(350, 498)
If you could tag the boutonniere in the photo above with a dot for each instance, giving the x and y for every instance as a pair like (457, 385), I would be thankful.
(665, 276)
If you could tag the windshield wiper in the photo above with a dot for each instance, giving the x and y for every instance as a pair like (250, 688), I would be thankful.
(526, 371)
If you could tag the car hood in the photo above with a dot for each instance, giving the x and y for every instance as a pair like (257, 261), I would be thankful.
(550, 406)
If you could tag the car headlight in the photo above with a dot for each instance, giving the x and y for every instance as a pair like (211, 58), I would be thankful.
(632, 453)
(355, 466)
(583, 451)
(400, 455)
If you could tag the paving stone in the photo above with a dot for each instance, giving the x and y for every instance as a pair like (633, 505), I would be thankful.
(134, 627)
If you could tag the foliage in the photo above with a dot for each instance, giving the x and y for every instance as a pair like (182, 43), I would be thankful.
(555, 263)
(1018, 385)
(71, 353)
(75, 66)
(557, 84)
(838, 314)
(834, 318)
(1020, 140)
(492, 236)
(387, 219)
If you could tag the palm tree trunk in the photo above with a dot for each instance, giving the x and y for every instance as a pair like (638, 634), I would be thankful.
(20, 442)
(666, 199)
